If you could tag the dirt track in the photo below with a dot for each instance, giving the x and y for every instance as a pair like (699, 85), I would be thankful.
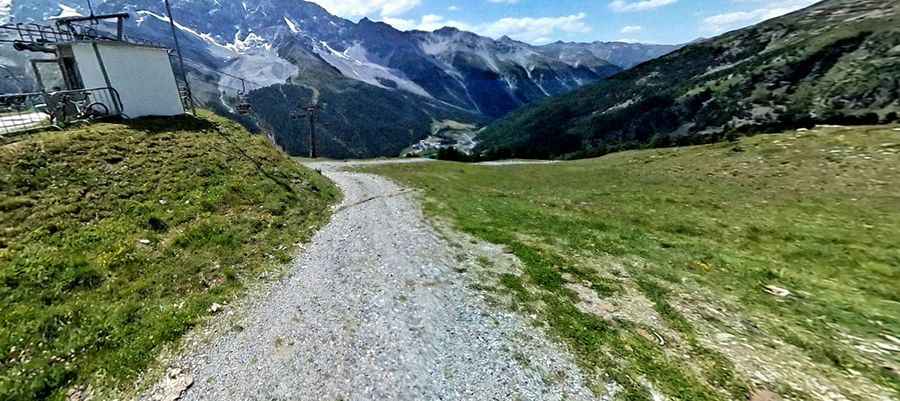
(374, 309)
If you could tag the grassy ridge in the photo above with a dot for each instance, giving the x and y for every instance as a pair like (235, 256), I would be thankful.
(116, 239)
(698, 233)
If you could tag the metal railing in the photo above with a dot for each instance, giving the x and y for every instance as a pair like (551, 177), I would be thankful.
(31, 34)
(44, 34)
(22, 112)
(34, 33)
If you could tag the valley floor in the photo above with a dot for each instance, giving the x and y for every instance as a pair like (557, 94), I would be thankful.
(378, 307)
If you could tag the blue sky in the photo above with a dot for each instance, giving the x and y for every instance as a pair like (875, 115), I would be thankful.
(541, 21)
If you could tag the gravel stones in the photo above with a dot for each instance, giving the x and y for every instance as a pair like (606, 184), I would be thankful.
(375, 309)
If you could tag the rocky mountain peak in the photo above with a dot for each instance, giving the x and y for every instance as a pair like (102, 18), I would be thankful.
(447, 72)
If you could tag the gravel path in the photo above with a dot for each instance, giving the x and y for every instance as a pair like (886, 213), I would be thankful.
(374, 310)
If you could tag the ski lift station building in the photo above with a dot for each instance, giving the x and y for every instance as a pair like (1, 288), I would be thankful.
(141, 74)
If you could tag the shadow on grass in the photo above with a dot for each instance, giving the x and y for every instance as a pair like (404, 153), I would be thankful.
(149, 125)
(157, 125)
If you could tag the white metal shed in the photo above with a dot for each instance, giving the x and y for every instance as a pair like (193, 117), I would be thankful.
(142, 75)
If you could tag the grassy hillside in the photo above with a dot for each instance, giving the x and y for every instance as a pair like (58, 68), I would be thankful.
(706, 272)
(116, 238)
(835, 62)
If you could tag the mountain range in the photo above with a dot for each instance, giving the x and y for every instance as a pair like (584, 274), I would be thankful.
(837, 62)
(382, 89)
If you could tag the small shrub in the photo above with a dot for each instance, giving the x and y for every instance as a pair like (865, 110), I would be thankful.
(157, 224)
(453, 155)
(79, 274)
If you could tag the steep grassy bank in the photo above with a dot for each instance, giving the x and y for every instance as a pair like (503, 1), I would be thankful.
(703, 273)
(116, 238)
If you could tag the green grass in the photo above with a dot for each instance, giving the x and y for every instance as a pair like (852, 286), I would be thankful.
(815, 212)
(116, 238)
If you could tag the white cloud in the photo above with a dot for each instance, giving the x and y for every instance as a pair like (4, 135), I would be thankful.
(428, 22)
(622, 6)
(5, 7)
(631, 29)
(528, 29)
(401, 23)
(360, 8)
(534, 30)
(769, 9)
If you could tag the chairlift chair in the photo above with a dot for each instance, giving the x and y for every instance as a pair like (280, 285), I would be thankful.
(243, 108)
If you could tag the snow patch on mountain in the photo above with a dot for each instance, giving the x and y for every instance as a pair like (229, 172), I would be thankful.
(67, 11)
(249, 56)
(249, 43)
(203, 36)
(291, 25)
(261, 68)
(354, 63)
(239, 46)
(530, 72)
